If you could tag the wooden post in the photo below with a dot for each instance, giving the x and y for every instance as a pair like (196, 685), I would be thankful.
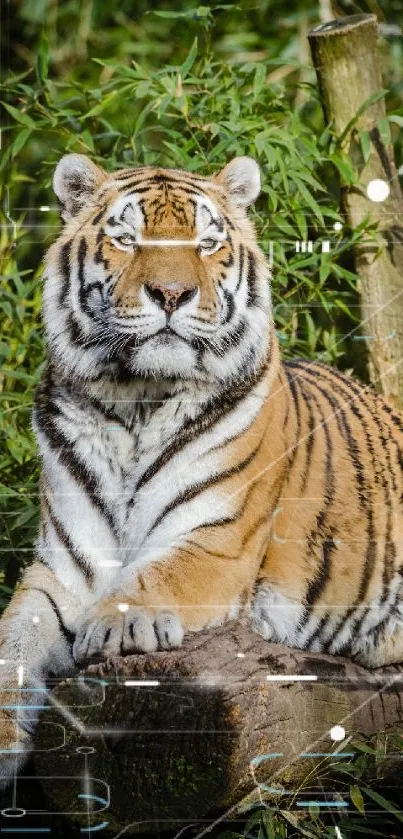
(346, 58)
(169, 738)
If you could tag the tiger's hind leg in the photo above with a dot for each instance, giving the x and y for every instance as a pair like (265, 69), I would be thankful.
(386, 649)
(35, 642)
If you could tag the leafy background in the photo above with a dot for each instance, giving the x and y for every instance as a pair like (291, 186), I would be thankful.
(184, 85)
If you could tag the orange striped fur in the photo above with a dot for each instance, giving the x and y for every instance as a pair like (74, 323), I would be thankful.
(189, 475)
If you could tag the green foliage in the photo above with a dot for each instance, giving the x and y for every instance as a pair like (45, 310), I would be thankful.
(187, 88)
(370, 813)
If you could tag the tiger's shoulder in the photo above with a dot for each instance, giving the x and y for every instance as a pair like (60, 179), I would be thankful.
(341, 387)
(331, 404)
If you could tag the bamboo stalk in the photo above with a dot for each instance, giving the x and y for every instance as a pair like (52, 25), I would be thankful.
(346, 58)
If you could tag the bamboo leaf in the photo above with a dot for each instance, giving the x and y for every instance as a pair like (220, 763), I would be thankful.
(386, 805)
(190, 60)
(365, 141)
(19, 116)
(357, 799)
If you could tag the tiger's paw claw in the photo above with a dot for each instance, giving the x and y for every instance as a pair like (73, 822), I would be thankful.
(119, 633)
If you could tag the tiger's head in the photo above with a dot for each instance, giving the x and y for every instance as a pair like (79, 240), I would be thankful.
(157, 274)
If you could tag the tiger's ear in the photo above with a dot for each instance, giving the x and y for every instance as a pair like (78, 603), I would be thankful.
(241, 179)
(75, 181)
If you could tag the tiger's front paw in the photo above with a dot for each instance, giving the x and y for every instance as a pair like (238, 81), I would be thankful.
(15, 745)
(119, 633)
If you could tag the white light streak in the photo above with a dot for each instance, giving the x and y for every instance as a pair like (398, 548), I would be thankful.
(278, 678)
(110, 563)
(140, 683)
(123, 607)
(20, 676)
(169, 243)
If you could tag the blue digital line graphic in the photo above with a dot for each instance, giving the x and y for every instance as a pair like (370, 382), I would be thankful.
(25, 830)
(93, 798)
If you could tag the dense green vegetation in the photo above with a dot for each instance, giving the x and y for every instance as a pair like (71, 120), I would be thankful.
(134, 83)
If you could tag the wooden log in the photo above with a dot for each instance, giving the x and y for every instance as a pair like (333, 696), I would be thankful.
(202, 738)
(346, 58)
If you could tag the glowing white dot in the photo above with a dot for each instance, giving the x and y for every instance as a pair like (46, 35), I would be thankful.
(338, 732)
(241, 655)
(44, 208)
(378, 190)
(35, 619)
(123, 607)
(338, 225)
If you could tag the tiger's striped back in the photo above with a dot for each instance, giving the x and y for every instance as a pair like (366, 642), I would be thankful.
(335, 558)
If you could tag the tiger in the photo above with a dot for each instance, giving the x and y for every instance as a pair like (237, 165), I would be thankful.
(190, 475)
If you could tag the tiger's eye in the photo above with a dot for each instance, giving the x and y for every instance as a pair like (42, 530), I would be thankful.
(126, 239)
(208, 243)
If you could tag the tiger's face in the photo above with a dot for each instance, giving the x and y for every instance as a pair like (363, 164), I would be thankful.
(157, 273)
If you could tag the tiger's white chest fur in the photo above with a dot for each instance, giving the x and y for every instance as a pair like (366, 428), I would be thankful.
(118, 449)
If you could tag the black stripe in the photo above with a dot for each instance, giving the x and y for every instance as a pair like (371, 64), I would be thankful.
(310, 441)
(108, 413)
(82, 253)
(353, 451)
(99, 257)
(46, 414)
(138, 188)
(240, 267)
(253, 297)
(228, 222)
(197, 489)
(228, 519)
(252, 530)
(191, 544)
(124, 174)
(338, 628)
(362, 398)
(390, 555)
(323, 574)
(315, 634)
(376, 631)
(64, 263)
(397, 421)
(77, 335)
(67, 633)
(77, 557)
(219, 407)
(293, 383)
(389, 545)
(99, 215)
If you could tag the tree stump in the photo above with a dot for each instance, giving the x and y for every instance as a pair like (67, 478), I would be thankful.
(346, 58)
(164, 739)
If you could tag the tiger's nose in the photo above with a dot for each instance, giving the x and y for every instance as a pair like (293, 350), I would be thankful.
(170, 295)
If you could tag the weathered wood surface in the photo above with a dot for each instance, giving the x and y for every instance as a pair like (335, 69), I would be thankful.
(347, 60)
(188, 748)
